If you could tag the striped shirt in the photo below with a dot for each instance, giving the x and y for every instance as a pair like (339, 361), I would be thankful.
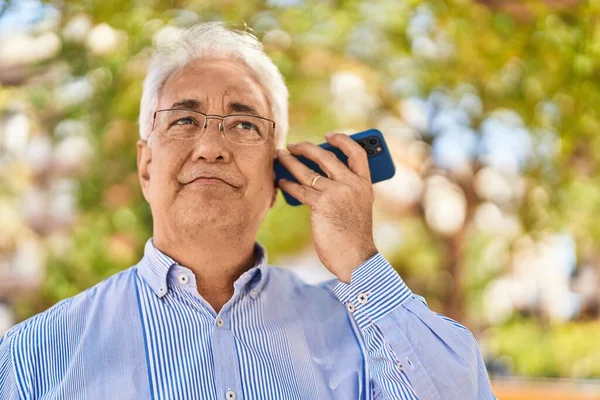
(146, 333)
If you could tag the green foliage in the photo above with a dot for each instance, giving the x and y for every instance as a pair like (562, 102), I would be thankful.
(519, 60)
(567, 350)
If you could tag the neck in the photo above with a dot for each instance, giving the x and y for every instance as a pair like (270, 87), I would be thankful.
(216, 259)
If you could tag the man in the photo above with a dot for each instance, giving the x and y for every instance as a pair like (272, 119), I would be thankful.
(202, 315)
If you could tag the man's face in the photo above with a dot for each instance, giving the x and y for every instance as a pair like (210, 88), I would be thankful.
(168, 169)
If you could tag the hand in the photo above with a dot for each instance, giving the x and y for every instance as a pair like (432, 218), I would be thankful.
(341, 203)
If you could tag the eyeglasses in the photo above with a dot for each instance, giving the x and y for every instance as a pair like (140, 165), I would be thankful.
(180, 123)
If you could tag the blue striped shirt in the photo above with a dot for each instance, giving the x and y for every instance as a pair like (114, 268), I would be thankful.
(146, 333)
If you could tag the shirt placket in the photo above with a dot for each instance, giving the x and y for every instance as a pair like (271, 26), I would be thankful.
(225, 358)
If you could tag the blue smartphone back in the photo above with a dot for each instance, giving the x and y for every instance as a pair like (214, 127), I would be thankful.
(378, 155)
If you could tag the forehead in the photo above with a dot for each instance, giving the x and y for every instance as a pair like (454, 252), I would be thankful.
(213, 82)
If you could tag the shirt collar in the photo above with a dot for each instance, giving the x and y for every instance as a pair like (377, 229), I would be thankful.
(155, 265)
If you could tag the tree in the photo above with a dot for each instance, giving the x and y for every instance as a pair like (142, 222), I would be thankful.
(489, 107)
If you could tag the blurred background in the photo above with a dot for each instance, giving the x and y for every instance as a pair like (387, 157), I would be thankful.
(490, 109)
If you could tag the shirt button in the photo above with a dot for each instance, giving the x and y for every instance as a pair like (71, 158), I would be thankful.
(230, 395)
(220, 324)
(350, 307)
(183, 279)
(253, 292)
(399, 366)
(161, 289)
(362, 298)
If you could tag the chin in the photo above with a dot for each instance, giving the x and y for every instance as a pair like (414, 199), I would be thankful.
(207, 211)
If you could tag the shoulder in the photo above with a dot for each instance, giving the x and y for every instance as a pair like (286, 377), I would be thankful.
(54, 343)
(298, 277)
(313, 305)
(292, 284)
(67, 317)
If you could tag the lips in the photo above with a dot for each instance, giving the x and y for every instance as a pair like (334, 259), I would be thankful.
(201, 179)
(221, 175)
(207, 179)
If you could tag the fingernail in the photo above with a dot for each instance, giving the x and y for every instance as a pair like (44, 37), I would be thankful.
(329, 135)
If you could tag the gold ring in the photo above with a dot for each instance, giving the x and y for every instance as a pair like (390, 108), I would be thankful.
(315, 179)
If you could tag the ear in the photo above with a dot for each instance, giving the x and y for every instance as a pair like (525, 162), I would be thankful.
(144, 158)
(274, 198)
(275, 184)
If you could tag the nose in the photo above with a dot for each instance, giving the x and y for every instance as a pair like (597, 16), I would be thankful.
(212, 145)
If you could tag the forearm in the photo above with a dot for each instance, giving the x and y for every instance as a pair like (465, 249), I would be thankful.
(410, 347)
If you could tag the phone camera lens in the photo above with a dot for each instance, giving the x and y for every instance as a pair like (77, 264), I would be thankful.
(373, 141)
(362, 144)
(370, 152)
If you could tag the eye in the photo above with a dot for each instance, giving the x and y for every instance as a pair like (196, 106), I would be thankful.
(185, 121)
(246, 125)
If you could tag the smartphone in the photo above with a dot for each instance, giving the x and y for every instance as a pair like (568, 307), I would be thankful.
(378, 155)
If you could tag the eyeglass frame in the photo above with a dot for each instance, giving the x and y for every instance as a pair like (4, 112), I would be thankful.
(220, 118)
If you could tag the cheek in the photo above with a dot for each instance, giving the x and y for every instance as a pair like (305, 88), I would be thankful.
(260, 174)
(164, 171)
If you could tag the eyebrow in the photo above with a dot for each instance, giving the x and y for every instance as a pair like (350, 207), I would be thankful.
(191, 104)
(235, 107)
(242, 108)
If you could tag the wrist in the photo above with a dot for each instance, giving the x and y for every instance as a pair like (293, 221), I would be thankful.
(354, 259)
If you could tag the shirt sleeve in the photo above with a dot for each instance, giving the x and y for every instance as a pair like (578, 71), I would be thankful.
(8, 382)
(413, 352)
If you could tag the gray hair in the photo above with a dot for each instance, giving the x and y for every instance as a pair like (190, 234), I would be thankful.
(208, 40)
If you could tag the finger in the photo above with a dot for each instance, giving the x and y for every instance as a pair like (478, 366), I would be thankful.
(301, 172)
(357, 156)
(325, 159)
(304, 194)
